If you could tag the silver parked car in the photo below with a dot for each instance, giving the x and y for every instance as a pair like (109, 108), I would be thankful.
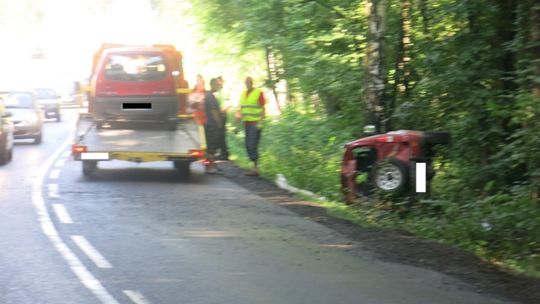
(6, 135)
(27, 117)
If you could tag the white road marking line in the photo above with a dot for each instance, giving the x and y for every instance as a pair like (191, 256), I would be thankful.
(55, 173)
(91, 252)
(136, 297)
(53, 190)
(62, 214)
(421, 177)
(47, 226)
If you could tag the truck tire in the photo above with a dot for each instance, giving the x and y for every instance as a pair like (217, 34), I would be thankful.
(436, 138)
(89, 167)
(389, 176)
(171, 126)
(183, 167)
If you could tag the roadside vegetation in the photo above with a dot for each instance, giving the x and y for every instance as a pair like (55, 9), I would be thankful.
(468, 67)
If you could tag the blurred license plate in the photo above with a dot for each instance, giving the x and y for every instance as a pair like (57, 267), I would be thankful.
(95, 156)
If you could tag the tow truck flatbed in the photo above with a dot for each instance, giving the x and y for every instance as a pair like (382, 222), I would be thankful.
(138, 142)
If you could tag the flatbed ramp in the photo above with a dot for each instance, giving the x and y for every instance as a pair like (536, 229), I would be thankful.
(181, 143)
(186, 137)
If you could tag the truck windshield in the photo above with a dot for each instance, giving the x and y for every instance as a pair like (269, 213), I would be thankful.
(135, 67)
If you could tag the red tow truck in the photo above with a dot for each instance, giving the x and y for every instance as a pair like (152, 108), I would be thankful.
(137, 110)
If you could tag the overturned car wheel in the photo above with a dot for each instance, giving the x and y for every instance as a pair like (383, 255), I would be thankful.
(436, 138)
(389, 176)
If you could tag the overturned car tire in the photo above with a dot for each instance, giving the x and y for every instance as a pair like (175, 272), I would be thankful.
(389, 176)
(436, 138)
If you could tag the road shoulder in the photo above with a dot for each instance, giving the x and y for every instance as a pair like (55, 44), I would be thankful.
(399, 246)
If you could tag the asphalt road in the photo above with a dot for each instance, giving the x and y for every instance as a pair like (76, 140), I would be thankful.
(140, 234)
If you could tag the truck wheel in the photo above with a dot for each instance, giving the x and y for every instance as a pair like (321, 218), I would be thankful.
(183, 167)
(89, 167)
(389, 176)
(171, 126)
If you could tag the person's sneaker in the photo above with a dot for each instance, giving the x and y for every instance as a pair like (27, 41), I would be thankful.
(252, 173)
(214, 170)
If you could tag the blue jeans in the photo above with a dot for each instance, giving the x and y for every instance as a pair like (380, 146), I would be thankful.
(253, 137)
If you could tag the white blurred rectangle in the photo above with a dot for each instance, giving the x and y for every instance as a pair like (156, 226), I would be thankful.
(421, 177)
(95, 156)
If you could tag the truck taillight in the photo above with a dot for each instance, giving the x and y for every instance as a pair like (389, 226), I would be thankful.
(196, 153)
(76, 149)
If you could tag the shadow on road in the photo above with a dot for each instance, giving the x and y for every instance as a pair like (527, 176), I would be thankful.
(151, 175)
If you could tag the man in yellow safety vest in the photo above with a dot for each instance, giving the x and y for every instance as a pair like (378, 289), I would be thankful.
(252, 114)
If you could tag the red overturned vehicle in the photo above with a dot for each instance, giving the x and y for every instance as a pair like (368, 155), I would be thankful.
(386, 163)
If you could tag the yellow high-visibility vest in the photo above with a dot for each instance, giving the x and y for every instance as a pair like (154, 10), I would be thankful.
(249, 106)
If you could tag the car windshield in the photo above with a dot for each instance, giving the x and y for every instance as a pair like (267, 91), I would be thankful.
(17, 100)
(135, 67)
(45, 93)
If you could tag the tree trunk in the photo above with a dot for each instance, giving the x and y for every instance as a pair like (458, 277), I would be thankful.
(425, 17)
(271, 68)
(374, 92)
(402, 74)
(534, 28)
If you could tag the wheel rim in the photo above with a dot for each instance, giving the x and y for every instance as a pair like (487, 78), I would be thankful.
(389, 177)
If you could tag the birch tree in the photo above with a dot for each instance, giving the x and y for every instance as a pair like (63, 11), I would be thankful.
(375, 74)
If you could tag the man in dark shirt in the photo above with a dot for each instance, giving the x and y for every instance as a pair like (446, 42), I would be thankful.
(212, 126)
